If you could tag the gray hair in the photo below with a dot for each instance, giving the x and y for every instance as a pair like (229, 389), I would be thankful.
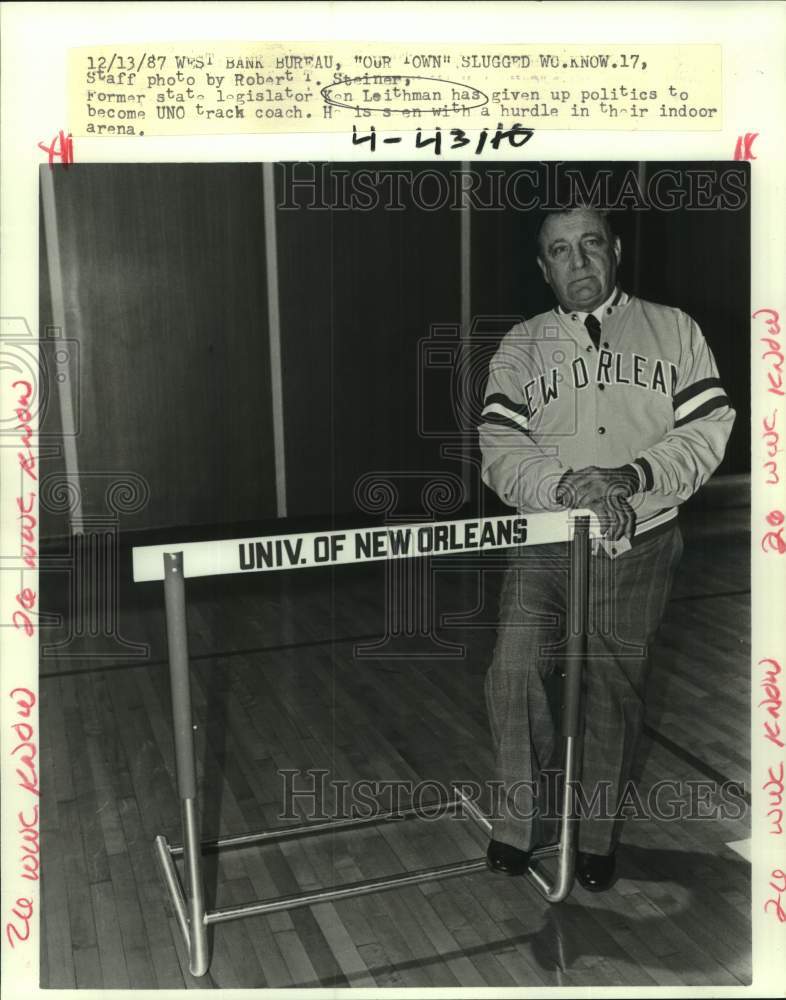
(573, 206)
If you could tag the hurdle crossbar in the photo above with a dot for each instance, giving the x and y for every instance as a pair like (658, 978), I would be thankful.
(173, 563)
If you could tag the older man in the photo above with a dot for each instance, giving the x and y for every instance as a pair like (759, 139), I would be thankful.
(610, 403)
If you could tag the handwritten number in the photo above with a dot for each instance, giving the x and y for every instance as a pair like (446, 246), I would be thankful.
(23, 911)
(371, 138)
(435, 141)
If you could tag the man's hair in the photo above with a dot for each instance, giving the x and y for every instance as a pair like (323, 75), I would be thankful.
(572, 206)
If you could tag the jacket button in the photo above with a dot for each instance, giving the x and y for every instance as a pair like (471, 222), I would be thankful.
(605, 343)
(601, 387)
(601, 430)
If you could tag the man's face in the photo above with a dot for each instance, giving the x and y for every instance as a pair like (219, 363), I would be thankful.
(579, 257)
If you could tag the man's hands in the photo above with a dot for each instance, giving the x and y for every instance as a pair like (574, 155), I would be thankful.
(595, 483)
(617, 518)
(605, 492)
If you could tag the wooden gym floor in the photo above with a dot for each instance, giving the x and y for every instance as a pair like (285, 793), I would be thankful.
(280, 684)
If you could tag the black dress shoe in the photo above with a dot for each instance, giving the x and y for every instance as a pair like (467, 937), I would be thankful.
(595, 871)
(505, 859)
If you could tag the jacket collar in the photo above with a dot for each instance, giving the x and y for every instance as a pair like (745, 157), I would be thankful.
(615, 301)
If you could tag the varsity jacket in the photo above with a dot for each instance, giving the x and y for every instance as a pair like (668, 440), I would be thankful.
(649, 395)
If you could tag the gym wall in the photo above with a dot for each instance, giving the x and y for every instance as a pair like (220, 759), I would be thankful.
(164, 281)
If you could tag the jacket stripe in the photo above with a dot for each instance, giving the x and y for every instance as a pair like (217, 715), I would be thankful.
(696, 402)
(506, 403)
(661, 517)
(718, 400)
(703, 384)
(495, 414)
(649, 482)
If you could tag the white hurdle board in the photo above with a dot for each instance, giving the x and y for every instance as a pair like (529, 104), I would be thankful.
(356, 545)
(173, 563)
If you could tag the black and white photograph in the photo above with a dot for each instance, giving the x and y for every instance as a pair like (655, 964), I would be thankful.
(394, 587)
(392, 499)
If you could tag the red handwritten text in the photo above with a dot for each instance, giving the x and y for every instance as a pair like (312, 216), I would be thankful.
(17, 927)
(774, 352)
(778, 885)
(25, 754)
(26, 598)
(27, 529)
(25, 701)
(774, 788)
(744, 147)
(773, 541)
(29, 844)
(60, 148)
(23, 415)
(771, 703)
(771, 439)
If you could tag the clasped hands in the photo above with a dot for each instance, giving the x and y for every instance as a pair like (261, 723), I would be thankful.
(605, 492)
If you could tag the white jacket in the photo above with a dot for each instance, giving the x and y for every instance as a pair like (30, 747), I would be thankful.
(650, 395)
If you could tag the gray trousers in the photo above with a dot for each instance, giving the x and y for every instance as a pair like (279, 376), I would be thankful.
(628, 597)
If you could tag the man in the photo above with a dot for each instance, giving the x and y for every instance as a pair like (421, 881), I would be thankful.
(614, 404)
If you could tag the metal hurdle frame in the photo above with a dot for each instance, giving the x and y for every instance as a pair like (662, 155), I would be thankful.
(188, 895)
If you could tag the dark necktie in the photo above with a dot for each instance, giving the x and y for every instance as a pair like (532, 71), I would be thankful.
(592, 324)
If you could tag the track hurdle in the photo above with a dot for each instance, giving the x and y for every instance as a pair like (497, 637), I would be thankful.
(172, 564)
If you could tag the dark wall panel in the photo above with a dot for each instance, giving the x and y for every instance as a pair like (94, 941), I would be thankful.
(701, 262)
(359, 291)
(164, 277)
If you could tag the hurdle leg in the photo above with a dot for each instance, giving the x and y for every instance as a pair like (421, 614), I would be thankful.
(578, 603)
(189, 905)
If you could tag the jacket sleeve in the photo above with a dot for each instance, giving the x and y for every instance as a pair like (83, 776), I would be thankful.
(686, 457)
(515, 464)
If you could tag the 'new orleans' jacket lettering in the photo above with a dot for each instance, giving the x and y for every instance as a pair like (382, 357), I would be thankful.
(611, 369)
